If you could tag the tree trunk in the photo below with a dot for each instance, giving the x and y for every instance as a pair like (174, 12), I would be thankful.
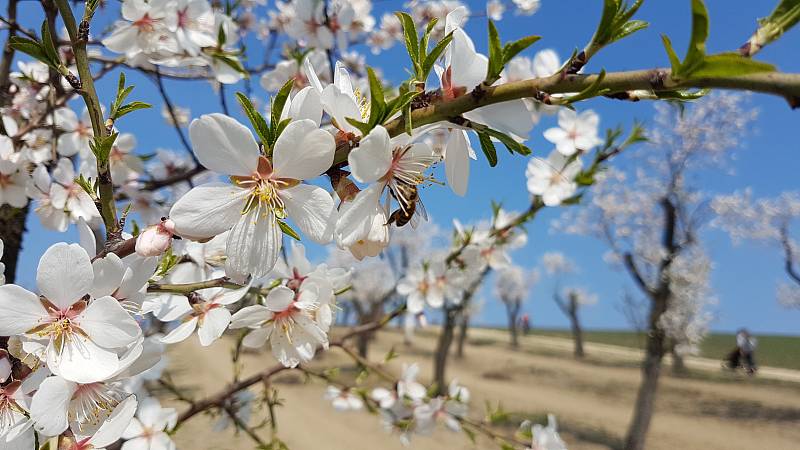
(577, 334)
(463, 324)
(651, 370)
(12, 230)
(365, 317)
(678, 364)
(443, 348)
(513, 312)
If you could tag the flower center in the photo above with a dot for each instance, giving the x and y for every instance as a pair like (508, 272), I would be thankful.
(264, 187)
(92, 402)
(60, 326)
(146, 24)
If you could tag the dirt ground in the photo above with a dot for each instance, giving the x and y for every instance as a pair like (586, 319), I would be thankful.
(707, 410)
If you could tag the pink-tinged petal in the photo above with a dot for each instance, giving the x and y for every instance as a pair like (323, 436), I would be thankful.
(303, 151)
(373, 156)
(254, 243)
(108, 324)
(21, 310)
(312, 209)
(208, 210)
(279, 299)
(65, 274)
(456, 162)
(114, 426)
(82, 361)
(251, 316)
(224, 145)
(213, 325)
(50, 404)
(181, 332)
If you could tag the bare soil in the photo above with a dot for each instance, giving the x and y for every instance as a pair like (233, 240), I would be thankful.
(708, 410)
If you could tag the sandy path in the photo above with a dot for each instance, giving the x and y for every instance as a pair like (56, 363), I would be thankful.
(593, 401)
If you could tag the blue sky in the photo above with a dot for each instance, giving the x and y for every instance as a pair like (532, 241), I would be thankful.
(744, 276)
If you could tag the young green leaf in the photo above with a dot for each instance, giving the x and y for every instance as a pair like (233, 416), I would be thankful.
(729, 65)
(131, 107)
(435, 53)
(363, 127)
(278, 102)
(697, 43)
(496, 62)
(673, 58)
(377, 106)
(256, 119)
(488, 148)
(31, 48)
(512, 49)
(49, 46)
(288, 230)
(410, 37)
(511, 145)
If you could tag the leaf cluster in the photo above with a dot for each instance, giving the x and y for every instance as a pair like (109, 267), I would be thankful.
(417, 46)
(500, 55)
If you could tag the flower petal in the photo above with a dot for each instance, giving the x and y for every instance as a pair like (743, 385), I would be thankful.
(254, 243)
(456, 162)
(208, 210)
(108, 324)
(82, 361)
(114, 426)
(21, 310)
(311, 208)
(303, 151)
(373, 156)
(224, 145)
(279, 299)
(251, 316)
(65, 274)
(181, 332)
(49, 405)
(213, 325)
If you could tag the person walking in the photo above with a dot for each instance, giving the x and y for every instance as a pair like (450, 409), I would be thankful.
(746, 345)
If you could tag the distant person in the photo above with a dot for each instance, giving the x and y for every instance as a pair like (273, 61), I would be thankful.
(525, 324)
(746, 344)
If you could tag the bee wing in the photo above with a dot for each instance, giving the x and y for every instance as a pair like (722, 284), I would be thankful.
(420, 212)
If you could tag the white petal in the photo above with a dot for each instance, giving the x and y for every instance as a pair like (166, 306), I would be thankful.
(303, 151)
(64, 274)
(307, 104)
(256, 338)
(82, 361)
(108, 324)
(224, 145)
(228, 297)
(251, 316)
(213, 325)
(356, 216)
(279, 299)
(254, 243)
(373, 156)
(113, 427)
(21, 310)
(457, 162)
(311, 208)
(49, 405)
(108, 273)
(181, 332)
(208, 210)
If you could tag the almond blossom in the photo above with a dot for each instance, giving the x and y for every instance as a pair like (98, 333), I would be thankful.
(553, 178)
(206, 313)
(386, 164)
(80, 337)
(575, 132)
(288, 319)
(148, 430)
(263, 192)
(77, 132)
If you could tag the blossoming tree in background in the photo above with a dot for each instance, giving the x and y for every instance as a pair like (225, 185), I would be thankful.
(512, 286)
(767, 220)
(172, 245)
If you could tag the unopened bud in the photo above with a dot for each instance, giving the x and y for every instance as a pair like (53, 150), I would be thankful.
(155, 239)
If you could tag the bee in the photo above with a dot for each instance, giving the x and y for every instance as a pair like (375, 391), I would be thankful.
(407, 196)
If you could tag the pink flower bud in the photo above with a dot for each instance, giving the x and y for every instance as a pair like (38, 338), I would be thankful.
(155, 239)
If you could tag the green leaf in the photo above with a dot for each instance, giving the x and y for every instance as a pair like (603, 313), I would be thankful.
(593, 90)
(512, 49)
(377, 102)
(512, 145)
(363, 127)
(629, 28)
(131, 107)
(287, 230)
(256, 119)
(488, 148)
(101, 146)
(398, 103)
(276, 109)
(49, 46)
(495, 65)
(423, 42)
(410, 37)
(435, 53)
(729, 65)
(673, 58)
(30, 47)
(697, 44)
